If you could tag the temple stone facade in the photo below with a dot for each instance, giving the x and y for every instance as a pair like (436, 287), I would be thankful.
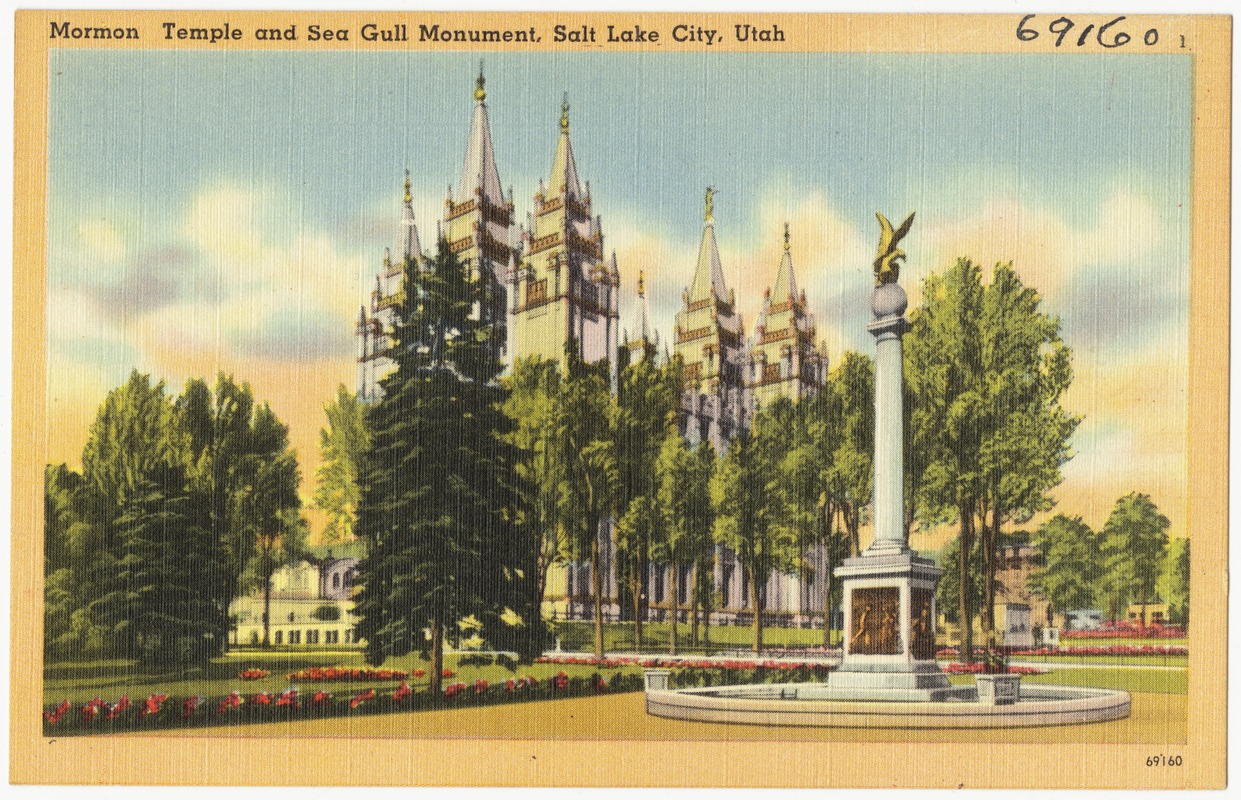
(551, 285)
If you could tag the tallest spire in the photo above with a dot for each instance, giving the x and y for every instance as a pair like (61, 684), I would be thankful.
(479, 176)
(564, 178)
(709, 273)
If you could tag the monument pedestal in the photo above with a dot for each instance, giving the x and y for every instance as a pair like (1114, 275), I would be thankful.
(889, 648)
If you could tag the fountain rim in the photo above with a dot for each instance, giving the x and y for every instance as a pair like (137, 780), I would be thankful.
(1041, 705)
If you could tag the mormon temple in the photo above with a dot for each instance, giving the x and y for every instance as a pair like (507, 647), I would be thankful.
(549, 283)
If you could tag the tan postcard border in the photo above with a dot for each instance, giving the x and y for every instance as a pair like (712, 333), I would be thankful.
(326, 761)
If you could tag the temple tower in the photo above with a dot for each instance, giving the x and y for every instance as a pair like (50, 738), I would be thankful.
(374, 329)
(478, 223)
(709, 338)
(784, 360)
(641, 340)
(565, 291)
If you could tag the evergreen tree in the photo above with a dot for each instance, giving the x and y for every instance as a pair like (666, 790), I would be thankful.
(159, 609)
(1135, 542)
(342, 445)
(135, 439)
(439, 504)
(1071, 564)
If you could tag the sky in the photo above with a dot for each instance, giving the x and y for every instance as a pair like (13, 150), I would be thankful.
(227, 211)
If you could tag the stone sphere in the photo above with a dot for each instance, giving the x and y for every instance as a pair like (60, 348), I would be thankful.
(888, 300)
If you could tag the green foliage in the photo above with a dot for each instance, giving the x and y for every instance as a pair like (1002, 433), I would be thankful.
(440, 505)
(985, 370)
(1173, 586)
(1135, 541)
(147, 547)
(745, 499)
(1071, 563)
(533, 407)
(342, 445)
(948, 593)
(160, 610)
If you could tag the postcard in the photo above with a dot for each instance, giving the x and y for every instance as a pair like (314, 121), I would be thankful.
(620, 399)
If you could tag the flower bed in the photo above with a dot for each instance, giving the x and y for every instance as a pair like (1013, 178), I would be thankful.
(1087, 650)
(347, 674)
(163, 711)
(253, 674)
(690, 672)
(1127, 630)
(980, 668)
(1106, 650)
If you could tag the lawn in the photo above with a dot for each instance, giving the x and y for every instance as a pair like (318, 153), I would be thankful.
(1129, 679)
(79, 682)
(1155, 718)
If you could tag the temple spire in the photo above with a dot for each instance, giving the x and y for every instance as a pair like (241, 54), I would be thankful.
(709, 273)
(410, 246)
(478, 174)
(785, 289)
(564, 167)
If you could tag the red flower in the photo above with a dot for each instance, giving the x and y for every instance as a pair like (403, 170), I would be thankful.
(320, 699)
(188, 707)
(362, 697)
(447, 673)
(418, 673)
(261, 699)
(509, 685)
(151, 704)
(480, 686)
(287, 698)
(232, 701)
(60, 710)
(403, 691)
(119, 708)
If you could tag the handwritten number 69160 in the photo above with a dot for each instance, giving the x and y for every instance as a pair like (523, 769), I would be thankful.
(1106, 35)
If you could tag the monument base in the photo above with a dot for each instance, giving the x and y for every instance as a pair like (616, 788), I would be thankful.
(889, 649)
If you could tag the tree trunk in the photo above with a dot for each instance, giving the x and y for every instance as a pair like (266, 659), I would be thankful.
(828, 579)
(756, 604)
(694, 594)
(637, 588)
(965, 544)
(706, 612)
(596, 588)
(673, 605)
(990, 536)
(437, 653)
(267, 612)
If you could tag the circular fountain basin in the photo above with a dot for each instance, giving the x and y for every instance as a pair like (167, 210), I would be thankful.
(807, 705)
